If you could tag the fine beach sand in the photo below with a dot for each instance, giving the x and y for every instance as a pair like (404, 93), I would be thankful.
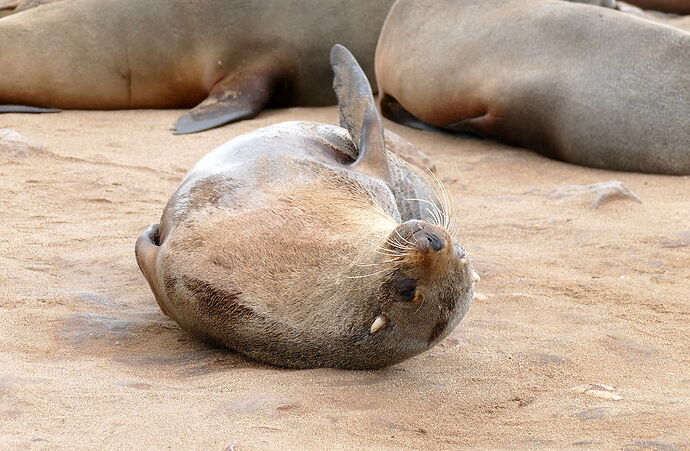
(580, 338)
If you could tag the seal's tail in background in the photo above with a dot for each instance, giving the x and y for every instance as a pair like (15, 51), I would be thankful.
(358, 113)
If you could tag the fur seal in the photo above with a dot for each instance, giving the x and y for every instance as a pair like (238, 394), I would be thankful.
(309, 245)
(666, 6)
(558, 77)
(230, 58)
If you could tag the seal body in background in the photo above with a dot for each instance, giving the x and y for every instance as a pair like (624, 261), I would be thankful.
(667, 6)
(227, 58)
(579, 83)
(310, 245)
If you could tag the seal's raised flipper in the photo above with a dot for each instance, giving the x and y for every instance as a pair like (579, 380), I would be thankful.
(240, 95)
(26, 109)
(358, 114)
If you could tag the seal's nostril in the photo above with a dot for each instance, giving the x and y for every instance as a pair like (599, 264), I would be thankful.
(435, 242)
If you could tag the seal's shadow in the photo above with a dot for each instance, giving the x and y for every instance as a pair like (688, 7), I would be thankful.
(140, 336)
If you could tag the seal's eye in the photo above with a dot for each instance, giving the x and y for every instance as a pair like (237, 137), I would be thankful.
(407, 289)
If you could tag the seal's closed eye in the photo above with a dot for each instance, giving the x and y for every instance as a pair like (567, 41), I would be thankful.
(407, 288)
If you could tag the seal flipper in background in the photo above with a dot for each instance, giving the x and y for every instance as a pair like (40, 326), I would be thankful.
(358, 114)
(240, 95)
(26, 109)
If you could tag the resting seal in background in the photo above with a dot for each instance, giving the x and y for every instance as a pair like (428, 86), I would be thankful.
(301, 245)
(239, 55)
(586, 85)
(666, 6)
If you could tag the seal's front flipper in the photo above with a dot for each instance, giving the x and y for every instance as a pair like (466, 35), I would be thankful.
(26, 109)
(240, 95)
(391, 109)
(358, 114)
(9, 4)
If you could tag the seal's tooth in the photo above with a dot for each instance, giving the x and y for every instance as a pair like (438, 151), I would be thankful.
(464, 261)
(475, 276)
(378, 324)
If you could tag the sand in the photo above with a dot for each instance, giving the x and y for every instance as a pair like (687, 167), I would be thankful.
(580, 337)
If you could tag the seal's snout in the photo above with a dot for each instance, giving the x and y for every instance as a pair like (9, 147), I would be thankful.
(424, 237)
(428, 240)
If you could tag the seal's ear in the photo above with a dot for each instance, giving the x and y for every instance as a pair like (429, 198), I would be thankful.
(358, 113)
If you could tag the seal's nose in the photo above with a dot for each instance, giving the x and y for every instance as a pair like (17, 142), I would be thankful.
(424, 239)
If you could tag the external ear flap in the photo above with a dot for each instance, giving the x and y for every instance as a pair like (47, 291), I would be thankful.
(358, 114)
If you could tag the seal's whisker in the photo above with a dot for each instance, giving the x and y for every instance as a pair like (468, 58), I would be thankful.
(444, 207)
(420, 305)
(450, 222)
(369, 275)
(382, 250)
(400, 246)
(389, 254)
(435, 213)
(437, 220)
(393, 260)
(405, 240)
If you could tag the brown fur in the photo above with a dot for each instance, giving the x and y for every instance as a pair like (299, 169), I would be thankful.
(230, 58)
(283, 247)
(558, 77)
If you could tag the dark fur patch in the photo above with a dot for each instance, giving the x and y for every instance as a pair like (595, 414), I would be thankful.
(216, 302)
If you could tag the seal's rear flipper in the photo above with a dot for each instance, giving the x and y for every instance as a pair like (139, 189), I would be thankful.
(240, 95)
(358, 113)
(26, 109)
(146, 251)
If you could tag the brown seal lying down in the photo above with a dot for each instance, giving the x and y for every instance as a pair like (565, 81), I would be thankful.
(579, 83)
(230, 58)
(309, 245)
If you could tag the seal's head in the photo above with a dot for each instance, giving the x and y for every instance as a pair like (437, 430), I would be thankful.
(424, 288)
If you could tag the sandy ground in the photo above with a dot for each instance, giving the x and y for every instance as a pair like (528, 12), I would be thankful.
(580, 340)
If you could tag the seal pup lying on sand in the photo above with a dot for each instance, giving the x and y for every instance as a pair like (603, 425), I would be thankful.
(301, 245)
(586, 85)
(238, 55)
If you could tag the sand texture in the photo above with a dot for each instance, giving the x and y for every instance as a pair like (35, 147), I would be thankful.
(580, 337)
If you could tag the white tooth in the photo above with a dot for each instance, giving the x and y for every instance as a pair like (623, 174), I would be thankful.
(464, 261)
(475, 276)
(378, 324)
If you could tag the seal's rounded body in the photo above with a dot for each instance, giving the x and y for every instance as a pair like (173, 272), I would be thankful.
(586, 85)
(298, 247)
(241, 54)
